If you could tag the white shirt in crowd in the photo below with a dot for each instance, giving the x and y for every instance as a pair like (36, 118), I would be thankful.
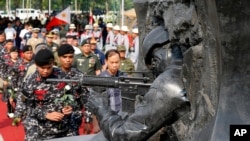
(10, 33)
(125, 41)
(110, 38)
(77, 50)
(134, 55)
(23, 32)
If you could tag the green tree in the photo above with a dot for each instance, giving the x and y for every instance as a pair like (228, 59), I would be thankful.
(128, 4)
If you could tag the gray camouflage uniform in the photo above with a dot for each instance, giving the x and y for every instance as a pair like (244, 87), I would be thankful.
(79, 94)
(39, 96)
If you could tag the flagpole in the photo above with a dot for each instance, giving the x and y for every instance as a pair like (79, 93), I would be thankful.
(49, 6)
(122, 11)
(76, 6)
(23, 4)
(10, 7)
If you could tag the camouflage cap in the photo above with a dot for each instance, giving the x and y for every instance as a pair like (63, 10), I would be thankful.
(121, 48)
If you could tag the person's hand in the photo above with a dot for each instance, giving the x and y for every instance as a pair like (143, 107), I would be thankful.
(5, 83)
(96, 127)
(12, 103)
(86, 128)
(18, 119)
(67, 110)
(54, 116)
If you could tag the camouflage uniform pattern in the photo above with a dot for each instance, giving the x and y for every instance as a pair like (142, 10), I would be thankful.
(2, 45)
(4, 55)
(39, 96)
(21, 69)
(79, 93)
(127, 66)
(11, 76)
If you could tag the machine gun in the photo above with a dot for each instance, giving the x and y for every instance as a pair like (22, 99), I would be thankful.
(129, 86)
(133, 85)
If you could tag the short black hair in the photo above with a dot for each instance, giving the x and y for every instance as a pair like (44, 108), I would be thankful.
(2, 32)
(9, 40)
(110, 53)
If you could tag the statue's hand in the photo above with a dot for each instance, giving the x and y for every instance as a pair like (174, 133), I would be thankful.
(97, 101)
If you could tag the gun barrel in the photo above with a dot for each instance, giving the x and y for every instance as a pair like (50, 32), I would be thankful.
(111, 82)
(100, 81)
(91, 81)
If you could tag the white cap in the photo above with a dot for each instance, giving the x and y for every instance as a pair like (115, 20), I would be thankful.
(87, 27)
(110, 25)
(116, 27)
(36, 30)
(124, 28)
(72, 26)
(135, 30)
(95, 25)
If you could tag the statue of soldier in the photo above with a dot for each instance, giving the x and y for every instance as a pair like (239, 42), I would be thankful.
(162, 49)
(215, 70)
(163, 104)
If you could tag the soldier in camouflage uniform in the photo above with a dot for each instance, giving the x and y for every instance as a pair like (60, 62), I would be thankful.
(10, 80)
(5, 57)
(2, 44)
(66, 57)
(126, 64)
(46, 118)
(21, 69)
(4, 53)
(2, 39)
(87, 62)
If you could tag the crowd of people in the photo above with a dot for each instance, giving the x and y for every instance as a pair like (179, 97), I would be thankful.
(31, 54)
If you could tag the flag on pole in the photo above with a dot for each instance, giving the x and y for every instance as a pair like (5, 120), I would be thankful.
(62, 18)
(91, 19)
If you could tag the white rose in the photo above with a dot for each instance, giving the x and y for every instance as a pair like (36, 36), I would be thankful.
(11, 115)
(9, 90)
(9, 78)
(67, 87)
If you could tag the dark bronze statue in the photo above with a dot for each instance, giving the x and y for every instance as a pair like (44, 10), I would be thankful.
(163, 104)
(199, 50)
